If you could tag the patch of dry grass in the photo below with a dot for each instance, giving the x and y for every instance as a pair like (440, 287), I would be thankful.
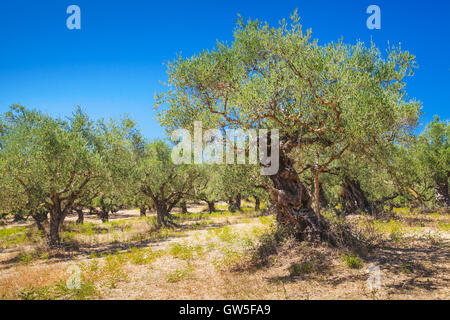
(224, 256)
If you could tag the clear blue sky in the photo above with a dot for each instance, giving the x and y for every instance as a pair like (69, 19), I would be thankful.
(113, 65)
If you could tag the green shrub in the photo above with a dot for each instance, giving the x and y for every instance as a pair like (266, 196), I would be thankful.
(181, 251)
(225, 234)
(266, 220)
(114, 270)
(299, 269)
(26, 258)
(352, 261)
(144, 256)
(230, 258)
(407, 268)
(59, 292)
(180, 274)
(13, 236)
(444, 226)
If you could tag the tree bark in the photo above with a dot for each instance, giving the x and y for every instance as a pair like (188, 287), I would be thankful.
(114, 209)
(80, 219)
(230, 204)
(159, 216)
(40, 217)
(320, 200)
(56, 219)
(163, 207)
(353, 198)
(441, 195)
(104, 215)
(19, 216)
(257, 204)
(162, 215)
(236, 204)
(322, 197)
(211, 206)
(293, 203)
(316, 192)
(183, 207)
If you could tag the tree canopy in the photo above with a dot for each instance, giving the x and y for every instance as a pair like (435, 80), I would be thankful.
(334, 98)
(55, 166)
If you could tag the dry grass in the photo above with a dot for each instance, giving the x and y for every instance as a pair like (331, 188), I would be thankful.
(220, 256)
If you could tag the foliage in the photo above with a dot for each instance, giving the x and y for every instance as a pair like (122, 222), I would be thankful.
(58, 165)
(352, 260)
(162, 181)
(328, 102)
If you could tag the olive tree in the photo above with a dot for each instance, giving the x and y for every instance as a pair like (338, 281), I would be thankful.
(337, 97)
(162, 181)
(433, 149)
(52, 165)
(420, 166)
(239, 182)
(229, 183)
(116, 141)
(208, 186)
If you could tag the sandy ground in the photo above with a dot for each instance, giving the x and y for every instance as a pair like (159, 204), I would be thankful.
(417, 267)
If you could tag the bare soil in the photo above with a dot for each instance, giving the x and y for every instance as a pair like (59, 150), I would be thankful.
(413, 261)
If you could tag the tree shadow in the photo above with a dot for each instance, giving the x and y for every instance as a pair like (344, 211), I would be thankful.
(423, 266)
(73, 249)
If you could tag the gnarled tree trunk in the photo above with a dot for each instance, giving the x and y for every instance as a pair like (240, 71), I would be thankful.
(441, 195)
(257, 204)
(352, 197)
(104, 211)
(230, 203)
(115, 209)
(323, 202)
(293, 202)
(163, 215)
(236, 204)
(211, 206)
(183, 207)
(56, 220)
(104, 214)
(19, 216)
(80, 219)
(40, 218)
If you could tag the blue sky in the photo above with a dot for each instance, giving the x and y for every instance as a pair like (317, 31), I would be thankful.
(113, 65)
